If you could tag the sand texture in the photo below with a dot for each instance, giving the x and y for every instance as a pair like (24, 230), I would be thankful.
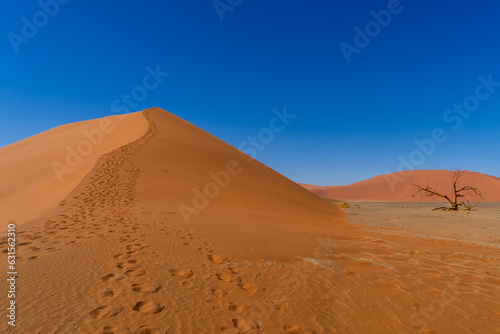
(419, 220)
(261, 255)
(27, 176)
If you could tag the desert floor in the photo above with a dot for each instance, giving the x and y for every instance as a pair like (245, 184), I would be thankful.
(147, 272)
(481, 226)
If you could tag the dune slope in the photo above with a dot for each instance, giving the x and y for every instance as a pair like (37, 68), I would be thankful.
(40, 171)
(122, 254)
(250, 201)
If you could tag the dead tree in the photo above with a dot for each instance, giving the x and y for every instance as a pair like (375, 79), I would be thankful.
(460, 196)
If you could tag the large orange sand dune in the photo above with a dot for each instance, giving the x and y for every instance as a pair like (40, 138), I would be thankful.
(169, 230)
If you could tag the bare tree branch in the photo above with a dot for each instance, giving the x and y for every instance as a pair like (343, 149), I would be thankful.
(465, 192)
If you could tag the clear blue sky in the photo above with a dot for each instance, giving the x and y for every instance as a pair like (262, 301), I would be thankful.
(353, 119)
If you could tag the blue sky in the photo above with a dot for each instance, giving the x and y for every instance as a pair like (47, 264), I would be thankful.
(354, 120)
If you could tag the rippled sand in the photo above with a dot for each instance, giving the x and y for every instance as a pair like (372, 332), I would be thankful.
(118, 257)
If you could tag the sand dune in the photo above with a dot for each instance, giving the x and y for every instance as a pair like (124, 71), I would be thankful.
(181, 158)
(397, 187)
(40, 171)
(136, 248)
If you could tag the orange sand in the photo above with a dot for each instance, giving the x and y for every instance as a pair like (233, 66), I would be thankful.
(264, 255)
(28, 178)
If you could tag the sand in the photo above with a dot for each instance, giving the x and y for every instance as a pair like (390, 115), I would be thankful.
(29, 168)
(419, 220)
(264, 255)
(398, 187)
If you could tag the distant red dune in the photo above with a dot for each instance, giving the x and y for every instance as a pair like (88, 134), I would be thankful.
(397, 187)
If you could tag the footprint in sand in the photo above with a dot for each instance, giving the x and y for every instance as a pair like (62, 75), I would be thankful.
(218, 293)
(233, 307)
(292, 328)
(227, 278)
(214, 258)
(128, 264)
(148, 307)
(144, 329)
(138, 287)
(190, 285)
(107, 277)
(110, 330)
(274, 305)
(135, 272)
(99, 312)
(134, 247)
(115, 311)
(234, 270)
(248, 287)
(242, 324)
(183, 273)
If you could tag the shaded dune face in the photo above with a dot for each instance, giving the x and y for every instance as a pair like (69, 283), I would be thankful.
(397, 187)
(263, 256)
(182, 161)
(182, 158)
